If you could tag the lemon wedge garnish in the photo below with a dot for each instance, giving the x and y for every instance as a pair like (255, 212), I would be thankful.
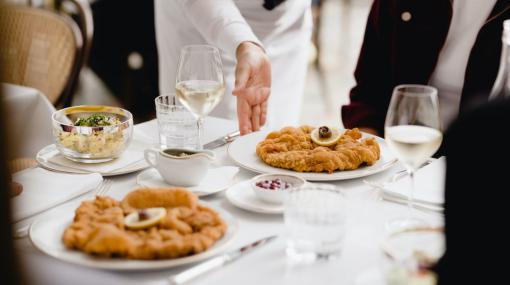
(332, 137)
(144, 218)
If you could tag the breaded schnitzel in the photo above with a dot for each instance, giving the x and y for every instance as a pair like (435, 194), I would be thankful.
(187, 229)
(292, 148)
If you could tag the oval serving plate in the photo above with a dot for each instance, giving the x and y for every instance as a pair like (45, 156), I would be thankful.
(46, 235)
(242, 152)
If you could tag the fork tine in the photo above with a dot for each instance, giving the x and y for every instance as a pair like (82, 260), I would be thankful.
(106, 186)
(101, 189)
(98, 188)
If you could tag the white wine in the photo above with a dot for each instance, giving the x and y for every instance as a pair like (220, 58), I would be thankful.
(200, 96)
(413, 145)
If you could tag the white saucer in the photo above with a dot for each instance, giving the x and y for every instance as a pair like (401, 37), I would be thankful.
(241, 195)
(50, 153)
(216, 180)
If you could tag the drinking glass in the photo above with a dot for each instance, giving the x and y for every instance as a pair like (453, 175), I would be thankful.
(412, 132)
(199, 84)
(411, 254)
(177, 127)
(315, 222)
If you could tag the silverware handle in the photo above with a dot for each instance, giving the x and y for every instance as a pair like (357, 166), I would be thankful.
(230, 137)
(197, 270)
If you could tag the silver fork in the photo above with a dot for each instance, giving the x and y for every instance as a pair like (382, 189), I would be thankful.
(103, 187)
(394, 178)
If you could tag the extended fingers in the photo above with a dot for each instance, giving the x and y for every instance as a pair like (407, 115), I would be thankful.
(244, 116)
(255, 117)
(263, 113)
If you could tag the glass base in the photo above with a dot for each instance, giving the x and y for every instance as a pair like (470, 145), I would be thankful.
(308, 256)
(400, 224)
(90, 160)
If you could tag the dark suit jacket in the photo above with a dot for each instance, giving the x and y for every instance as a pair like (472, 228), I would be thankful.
(477, 197)
(396, 51)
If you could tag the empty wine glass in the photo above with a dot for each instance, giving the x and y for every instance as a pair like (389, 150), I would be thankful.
(412, 132)
(199, 83)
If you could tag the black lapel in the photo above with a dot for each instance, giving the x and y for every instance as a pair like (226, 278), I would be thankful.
(271, 4)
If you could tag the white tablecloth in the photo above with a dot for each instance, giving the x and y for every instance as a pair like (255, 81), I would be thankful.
(361, 261)
(28, 119)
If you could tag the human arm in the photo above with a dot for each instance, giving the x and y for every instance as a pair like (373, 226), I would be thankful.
(371, 94)
(252, 87)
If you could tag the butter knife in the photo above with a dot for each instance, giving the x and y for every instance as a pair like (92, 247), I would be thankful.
(216, 262)
(221, 141)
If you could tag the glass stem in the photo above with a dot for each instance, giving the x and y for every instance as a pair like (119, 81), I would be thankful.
(200, 122)
(410, 200)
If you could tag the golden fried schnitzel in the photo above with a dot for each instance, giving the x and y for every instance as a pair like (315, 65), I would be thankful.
(187, 229)
(292, 148)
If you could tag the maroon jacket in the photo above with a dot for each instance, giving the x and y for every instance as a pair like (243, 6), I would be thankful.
(398, 49)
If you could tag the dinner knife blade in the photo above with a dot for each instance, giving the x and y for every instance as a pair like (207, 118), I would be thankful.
(216, 262)
(221, 141)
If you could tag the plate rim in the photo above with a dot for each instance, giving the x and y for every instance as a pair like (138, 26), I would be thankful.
(137, 265)
(199, 194)
(305, 175)
(44, 163)
(248, 208)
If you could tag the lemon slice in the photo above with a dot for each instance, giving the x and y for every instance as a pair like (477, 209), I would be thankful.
(144, 218)
(325, 141)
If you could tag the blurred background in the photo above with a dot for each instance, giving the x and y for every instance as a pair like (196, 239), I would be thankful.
(120, 58)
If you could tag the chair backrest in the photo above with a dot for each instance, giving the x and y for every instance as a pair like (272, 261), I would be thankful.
(39, 49)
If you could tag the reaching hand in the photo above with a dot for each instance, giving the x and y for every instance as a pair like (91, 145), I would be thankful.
(252, 86)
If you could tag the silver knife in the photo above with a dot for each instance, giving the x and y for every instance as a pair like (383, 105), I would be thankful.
(216, 262)
(221, 141)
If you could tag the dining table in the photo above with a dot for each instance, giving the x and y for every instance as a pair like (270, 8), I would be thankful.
(361, 260)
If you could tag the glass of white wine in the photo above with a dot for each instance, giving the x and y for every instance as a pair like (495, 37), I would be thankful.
(412, 131)
(199, 83)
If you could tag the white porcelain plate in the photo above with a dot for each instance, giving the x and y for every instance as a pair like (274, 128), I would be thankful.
(46, 235)
(47, 157)
(241, 195)
(242, 152)
(216, 180)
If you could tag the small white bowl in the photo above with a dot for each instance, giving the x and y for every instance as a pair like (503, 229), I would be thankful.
(275, 196)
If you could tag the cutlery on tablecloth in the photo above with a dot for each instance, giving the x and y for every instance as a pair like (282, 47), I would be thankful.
(397, 176)
(216, 262)
(100, 190)
(221, 141)
(427, 207)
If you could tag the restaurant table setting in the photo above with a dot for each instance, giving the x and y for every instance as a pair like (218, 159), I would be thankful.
(177, 200)
(359, 262)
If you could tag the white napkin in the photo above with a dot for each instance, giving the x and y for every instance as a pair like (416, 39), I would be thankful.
(429, 186)
(127, 158)
(43, 189)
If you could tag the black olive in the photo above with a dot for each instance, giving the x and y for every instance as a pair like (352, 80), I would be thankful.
(325, 132)
(143, 215)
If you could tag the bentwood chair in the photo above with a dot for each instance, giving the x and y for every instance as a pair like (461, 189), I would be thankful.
(40, 49)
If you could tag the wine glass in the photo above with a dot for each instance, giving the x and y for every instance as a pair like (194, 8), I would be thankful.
(412, 131)
(199, 83)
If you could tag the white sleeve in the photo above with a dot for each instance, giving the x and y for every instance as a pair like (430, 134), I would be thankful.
(220, 22)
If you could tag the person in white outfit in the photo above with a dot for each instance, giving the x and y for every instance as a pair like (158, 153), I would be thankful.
(264, 48)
